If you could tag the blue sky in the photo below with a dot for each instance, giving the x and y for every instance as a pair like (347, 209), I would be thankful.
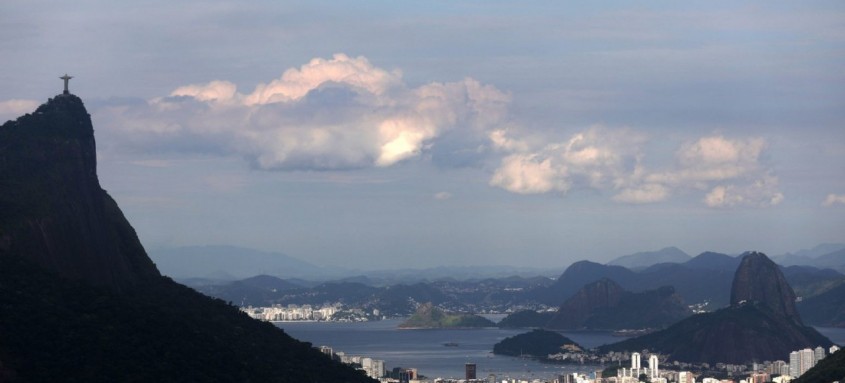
(392, 134)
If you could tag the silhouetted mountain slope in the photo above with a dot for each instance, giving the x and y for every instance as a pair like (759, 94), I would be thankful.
(56, 329)
(649, 258)
(826, 309)
(761, 323)
(80, 301)
(604, 305)
(54, 211)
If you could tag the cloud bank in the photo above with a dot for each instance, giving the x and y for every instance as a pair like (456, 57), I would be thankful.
(337, 113)
(611, 160)
(345, 113)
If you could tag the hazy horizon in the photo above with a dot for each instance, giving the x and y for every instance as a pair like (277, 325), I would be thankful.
(388, 135)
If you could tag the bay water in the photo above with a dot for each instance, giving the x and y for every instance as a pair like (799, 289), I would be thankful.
(427, 350)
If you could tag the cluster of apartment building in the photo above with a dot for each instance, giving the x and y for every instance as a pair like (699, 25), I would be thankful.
(374, 368)
(279, 313)
(802, 360)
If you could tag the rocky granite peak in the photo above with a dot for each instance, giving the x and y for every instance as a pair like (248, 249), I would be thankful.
(759, 280)
(761, 323)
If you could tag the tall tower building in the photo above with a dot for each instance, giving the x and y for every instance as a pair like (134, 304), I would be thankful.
(834, 349)
(635, 364)
(808, 360)
(652, 367)
(794, 364)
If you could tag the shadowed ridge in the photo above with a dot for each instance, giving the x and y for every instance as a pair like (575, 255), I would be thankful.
(55, 212)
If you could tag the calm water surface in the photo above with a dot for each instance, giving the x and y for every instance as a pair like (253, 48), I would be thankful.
(424, 349)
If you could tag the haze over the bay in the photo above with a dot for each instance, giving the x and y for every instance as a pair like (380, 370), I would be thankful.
(375, 135)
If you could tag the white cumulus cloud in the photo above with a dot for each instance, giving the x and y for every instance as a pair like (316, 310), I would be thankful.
(611, 160)
(761, 193)
(336, 113)
(833, 199)
(11, 109)
(647, 193)
(597, 157)
(442, 196)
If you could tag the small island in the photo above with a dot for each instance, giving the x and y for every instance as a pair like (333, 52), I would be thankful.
(537, 344)
(428, 316)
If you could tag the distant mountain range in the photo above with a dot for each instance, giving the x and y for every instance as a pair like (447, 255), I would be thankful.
(830, 255)
(232, 263)
(223, 263)
(704, 278)
(648, 258)
(604, 305)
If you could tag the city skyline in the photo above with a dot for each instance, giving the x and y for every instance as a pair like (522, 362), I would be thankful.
(419, 135)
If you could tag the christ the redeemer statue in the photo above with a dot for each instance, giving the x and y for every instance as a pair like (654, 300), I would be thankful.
(66, 78)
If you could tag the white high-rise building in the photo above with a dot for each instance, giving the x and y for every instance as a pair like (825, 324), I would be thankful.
(801, 361)
(818, 354)
(635, 364)
(834, 349)
(808, 359)
(794, 364)
(652, 367)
